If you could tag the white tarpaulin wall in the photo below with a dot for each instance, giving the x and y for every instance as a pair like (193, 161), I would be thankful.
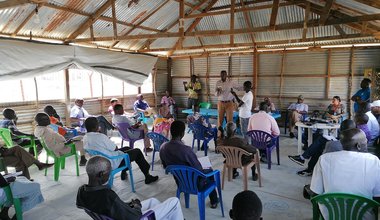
(21, 59)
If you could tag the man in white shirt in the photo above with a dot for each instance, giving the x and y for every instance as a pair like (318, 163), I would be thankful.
(226, 103)
(245, 106)
(295, 113)
(93, 140)
(348, 171)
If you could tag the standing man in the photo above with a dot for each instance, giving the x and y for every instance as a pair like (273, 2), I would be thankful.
(245, 106)
(363, 95)
(295, 113)
(226, 103)
(194, 88)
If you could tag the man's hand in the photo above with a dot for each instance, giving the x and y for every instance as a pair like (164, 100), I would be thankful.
(135, 203)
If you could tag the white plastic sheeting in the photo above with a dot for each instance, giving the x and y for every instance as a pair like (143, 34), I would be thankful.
(21, 59)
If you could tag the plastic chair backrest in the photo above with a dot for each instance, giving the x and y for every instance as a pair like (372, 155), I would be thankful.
(47, 149)
(206, 105)
(123, 127)
(200, 131)
(233, 155)
(260, 139)
(187, 178)
(342, 206)
(158, 139)
(5, 134)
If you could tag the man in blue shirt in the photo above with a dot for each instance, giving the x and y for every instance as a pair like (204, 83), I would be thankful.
(363, 95)
(141, 105)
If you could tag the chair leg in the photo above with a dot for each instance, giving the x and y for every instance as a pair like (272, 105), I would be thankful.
(35, 151)
(199, 143)
(278, 152)
(245, 178)
(47, 160)
(57, 167)
(18, 209)
(76, 163)
(257, 163)
(229, 174)
(131, 179)
(153, 159)
(110, 181)
(223, 175)
(269, 158)
(201, 205)
(187, 200)
(217, 180)
(63, 162)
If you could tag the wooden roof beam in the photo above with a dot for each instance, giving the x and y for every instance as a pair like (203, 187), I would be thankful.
(306, 19)
(326, 12)
(273, 16)
(340, 30)
(248, 22)
(13, 3)
(26, 20)
(90, 20)
(372, 3)
(239, 4)
(232, 21)
(113, 19)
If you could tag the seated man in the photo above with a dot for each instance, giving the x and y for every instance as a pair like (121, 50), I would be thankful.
(175, 152)
(141, 105)
(10, 121)
(246, 205)
(373, 124)
(54, 141)
(78, 114)
(93, 140)
(348, 171)
(295, 113)
(361, 121)
(55, 120)
(234, 141)
(264, 122)
(27, 191)
(315, 150)
(113, 102)
(97, 197)
(119, 117)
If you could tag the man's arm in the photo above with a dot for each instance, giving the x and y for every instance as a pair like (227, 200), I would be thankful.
(237, 98)
(185, 86)
(122, 210)
(274, 127)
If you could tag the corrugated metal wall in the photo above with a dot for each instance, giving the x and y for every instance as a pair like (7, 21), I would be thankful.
(161, 78)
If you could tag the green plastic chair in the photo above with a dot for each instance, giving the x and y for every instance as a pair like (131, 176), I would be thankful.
(59, 162)
(206, 105)
(343, 206)
(5, 134)
(8, 192)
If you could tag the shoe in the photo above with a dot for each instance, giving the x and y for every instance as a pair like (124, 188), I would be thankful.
(150, 179)
(82, 162)
(255, 177)
(214, 206)
(304, 148)
(304, 173)
(42, 166)
(234, 175)
(297, 159)
(149, 149)
(123, 175)
(291, 135)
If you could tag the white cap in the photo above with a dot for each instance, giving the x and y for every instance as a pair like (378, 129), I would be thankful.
(375, 103)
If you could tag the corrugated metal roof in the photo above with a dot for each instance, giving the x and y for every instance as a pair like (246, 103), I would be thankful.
(14, 17)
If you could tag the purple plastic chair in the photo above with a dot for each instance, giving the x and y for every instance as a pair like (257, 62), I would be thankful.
(147, 216)
(202, 133)
(264, 141)
(123, 127)
(158, 140)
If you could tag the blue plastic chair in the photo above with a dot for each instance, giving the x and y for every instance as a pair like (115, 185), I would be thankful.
(202, 133)
(187, 181)
(149, 215)
(264, 141)
(119, 169)
(158, 140)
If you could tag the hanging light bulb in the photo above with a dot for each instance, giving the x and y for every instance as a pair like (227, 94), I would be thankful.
(37, 19)
(123, 2)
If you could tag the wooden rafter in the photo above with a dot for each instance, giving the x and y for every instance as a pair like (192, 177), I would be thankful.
(232, 21)
(372, 3)
(142, 21)
(197, 7)
(242, 3)
(248, 22)
(326, 12)
(306, 19)
(340, 30)
(12, 3)
(192, 27)
(25, 21)
(113, 19)
(273, 17)
(90, 20)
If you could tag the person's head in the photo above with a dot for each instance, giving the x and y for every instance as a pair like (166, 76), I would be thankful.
(42, 119)
(361, 118)
(353, 139)
(98, 169)
(79, 102)
(114, 101)
(336, 100)
(50, 110)
(9, 114)
(300, 99)
(177, 129)
(375, 107)
(193, 78)
(246, 205)
(140, 97)
(118, 109)
(247, 86)
(223, 75)
(263, 106)
(365, 83)
(267, 100)
(364, 107)
(167, 93)
(347, 124)
(230, 129)
(91, 124)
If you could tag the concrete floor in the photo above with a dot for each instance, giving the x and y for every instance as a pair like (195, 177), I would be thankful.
(281, 193)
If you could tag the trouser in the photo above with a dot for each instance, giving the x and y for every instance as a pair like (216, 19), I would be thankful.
(17, 157)
(294, 117)
(314, 151)
(204, 183)
(225, 108)
(27, 142)
(193, 102)
(104, 124)
(137, 156)
(146, 138)
(253, 169)
(244, 128)
(170, 209)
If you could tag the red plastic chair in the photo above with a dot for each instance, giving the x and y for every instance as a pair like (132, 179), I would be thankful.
(264, 141)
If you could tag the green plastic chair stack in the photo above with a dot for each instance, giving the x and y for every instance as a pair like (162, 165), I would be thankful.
(59, 162)
(8, 192)
(206, 105)
(343, 206)
(5, 134)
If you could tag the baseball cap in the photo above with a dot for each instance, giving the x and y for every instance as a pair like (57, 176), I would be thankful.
(300, 97)
(375, 103)
(114, 99)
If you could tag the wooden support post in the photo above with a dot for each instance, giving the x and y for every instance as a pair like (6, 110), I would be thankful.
(229, 73)
(154, 78)
(255, 76)
(327, 94)
(191, 66)
(22, 91)
(282, 77)
(67, 97)
(102, 101)
(114, 26)
(139, 90)
(350, 78)
(232, 21)
(91, 86)
(36, 87)
(208, 78)
(169, 70)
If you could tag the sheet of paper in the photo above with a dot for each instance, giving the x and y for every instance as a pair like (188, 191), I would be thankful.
(13, 174)
(205, 162)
